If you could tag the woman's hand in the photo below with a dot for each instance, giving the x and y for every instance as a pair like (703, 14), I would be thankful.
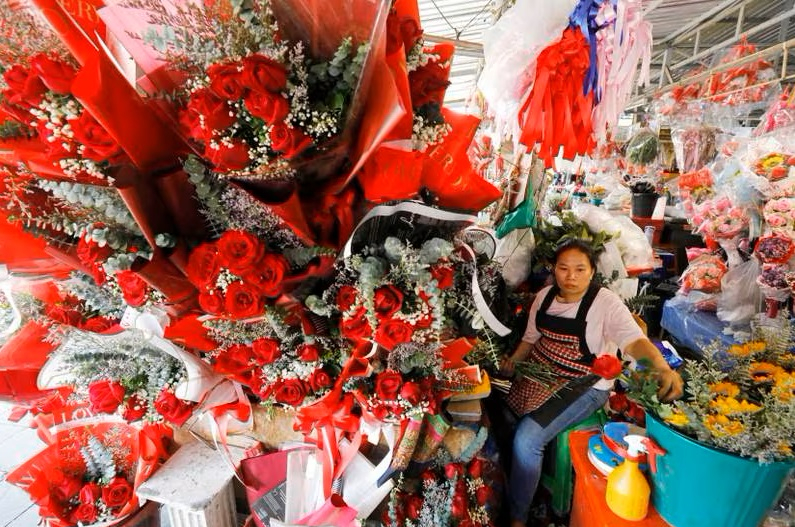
(671, 385)
(508, 366)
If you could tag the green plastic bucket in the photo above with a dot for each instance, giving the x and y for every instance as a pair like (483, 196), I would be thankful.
(699, 486)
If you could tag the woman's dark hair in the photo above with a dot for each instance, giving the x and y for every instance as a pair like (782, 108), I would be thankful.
(576, 245)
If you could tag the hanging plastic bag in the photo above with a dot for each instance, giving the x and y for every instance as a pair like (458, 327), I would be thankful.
(515, 252)
(643, 147)
(739, 299)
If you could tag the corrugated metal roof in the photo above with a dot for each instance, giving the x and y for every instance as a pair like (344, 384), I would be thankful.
(463, 21)
(674, 22)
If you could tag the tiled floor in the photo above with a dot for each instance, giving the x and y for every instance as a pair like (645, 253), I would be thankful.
(17, 443)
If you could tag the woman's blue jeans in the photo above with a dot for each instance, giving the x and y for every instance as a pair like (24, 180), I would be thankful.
(529, 441)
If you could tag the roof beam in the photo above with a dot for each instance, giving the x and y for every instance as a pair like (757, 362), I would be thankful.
(464, 47)
(726, 5)
(729, 41)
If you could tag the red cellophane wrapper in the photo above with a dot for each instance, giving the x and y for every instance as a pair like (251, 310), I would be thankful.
(21, 359)
(57, 477)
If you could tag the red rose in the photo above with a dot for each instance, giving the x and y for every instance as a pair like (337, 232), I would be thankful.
(84, 514)
(134, 409)
(270, 107)
(265, 350)
(459, 506)
(55, 74)
(453, 470)
(117, 493)
(308, 352)
(263, 74)
(413, 507)
(268, 276)
(443, 274)
(387, 300)
(133, 288)
(392, 332)
(482, 495)
(346, 297)
(411, 392)
(475, 468)
(25, 86)
(239, 251)
(212, 301)
(380, 412)
(290, 391)
(204, 265)
(62, 315)
(428, 84)
(637, 414)
(618, 402)
(607, 366)
(63, 487)
(173, 409)
(98, 324)
(105, 396)
(289, 141)
(225, 81)
(356, 326)
(235, 359)
(242, 301)
(228, 155)
(90, 493)
(98, 145)
(428, 475)
(387, 385)
(89, 252)
(319, 379)
(204, 114)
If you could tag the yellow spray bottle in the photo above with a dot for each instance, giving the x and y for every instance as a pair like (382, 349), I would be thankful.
(628, 491)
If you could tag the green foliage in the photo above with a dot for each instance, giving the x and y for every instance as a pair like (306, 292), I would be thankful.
(100, 465)
(549, 234)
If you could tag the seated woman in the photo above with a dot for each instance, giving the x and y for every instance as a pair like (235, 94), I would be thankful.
(571, 323)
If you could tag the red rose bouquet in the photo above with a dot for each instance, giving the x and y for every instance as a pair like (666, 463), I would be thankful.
(122, 374)
(239, 274)
(456, 493)
(260, 98)
(89, 473)
(280, 358)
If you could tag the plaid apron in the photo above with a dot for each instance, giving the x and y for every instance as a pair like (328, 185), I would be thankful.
(562, 347)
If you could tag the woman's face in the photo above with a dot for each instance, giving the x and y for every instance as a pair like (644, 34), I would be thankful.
(573, 272)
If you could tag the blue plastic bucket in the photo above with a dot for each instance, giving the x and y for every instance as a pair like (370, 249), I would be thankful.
(699, 486)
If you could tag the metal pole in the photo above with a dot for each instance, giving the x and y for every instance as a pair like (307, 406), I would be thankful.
(740, 20)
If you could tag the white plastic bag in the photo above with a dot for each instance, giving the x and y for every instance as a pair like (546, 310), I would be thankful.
(510, 49)
(514, 252)
(740, 296)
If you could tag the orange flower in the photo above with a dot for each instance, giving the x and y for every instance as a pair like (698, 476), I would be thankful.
(762, 372)
(722, 426)
(727, 389)
(731, 406)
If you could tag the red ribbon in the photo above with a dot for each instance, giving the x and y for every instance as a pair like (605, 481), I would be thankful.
(557, 113)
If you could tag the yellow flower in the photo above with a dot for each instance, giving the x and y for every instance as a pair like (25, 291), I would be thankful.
(785, 449)
(731, 406)
(784, 388)
(677, 418)
(749, 348)
(763, 371)
(721, 426)
(771, 160)
(728, 389)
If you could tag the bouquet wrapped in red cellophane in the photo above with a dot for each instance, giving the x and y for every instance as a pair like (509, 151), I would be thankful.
(89, 472)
